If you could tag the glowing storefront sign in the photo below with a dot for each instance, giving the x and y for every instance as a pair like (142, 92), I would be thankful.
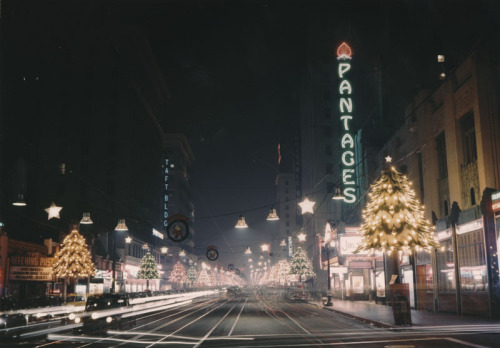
(350, 243)
(165, 191)
(158, 234)
(344, 55)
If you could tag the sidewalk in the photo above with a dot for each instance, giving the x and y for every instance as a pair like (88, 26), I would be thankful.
(382, 316)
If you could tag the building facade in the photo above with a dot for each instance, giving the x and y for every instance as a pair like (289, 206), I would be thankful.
(449, 148)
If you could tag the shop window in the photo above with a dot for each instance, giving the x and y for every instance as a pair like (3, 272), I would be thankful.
(445, 270)
(472, 262)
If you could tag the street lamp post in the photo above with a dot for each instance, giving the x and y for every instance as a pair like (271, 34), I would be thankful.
(329, 248)
(120, 227)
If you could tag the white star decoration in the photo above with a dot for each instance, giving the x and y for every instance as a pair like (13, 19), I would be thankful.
(307, 206)
(53, 211)
(302, 237)
(388, 159)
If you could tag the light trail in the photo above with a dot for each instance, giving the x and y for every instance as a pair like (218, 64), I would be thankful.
(202, 305)
(190, 323)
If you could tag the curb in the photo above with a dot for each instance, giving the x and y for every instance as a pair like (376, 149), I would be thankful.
(364, 320)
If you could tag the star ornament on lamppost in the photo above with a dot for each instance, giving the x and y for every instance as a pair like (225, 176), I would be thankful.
(307, 206)
(53, 211)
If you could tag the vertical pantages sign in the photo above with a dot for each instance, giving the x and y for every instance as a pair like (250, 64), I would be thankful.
(347, 145)
(166, 168)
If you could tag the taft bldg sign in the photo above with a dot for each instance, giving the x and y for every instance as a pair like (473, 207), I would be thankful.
(344, 56)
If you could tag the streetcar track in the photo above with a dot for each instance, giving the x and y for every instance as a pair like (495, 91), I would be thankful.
(202, 304)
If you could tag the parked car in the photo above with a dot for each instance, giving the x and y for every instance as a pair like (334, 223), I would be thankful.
(75, 300)
(103, 311)
(11, 323)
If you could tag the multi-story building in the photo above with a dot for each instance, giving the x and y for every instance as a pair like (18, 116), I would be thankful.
(448, 146)
(91, 139)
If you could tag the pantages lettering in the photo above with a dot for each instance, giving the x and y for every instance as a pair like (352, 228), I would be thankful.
(344, 55)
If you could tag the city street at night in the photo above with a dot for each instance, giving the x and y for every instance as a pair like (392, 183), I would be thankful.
(250, 173)
(260, 319)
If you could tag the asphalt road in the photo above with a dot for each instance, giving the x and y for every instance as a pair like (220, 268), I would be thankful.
(257, 321)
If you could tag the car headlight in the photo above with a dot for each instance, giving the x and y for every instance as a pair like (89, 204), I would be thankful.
(109, 320)
(94, 316)
(72, 316)
(78, 320)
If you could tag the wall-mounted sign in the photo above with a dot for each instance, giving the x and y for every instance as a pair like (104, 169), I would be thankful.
(347, 245)
(33, 260)
(470, 226)
(495, 207)
(339, 270)
(495, 196)
(442, 235)
(31, 273)
(344, 56)
(158, 234)
(165, 190)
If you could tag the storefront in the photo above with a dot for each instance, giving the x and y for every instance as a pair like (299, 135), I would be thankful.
(355, 279)
(473, 276)
(30, 275)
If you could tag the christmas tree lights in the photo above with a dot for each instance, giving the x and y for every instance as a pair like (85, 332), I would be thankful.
(203, 278)
(148, 269)
(192, 275)
(301, 265)
(73, 260)
(178, 274)
(394, 218)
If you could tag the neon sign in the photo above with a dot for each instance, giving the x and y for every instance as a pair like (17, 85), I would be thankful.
(165, 191)
(344, 55)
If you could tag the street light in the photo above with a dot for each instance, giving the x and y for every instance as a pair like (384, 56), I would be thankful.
(120, 227)
(329, 247)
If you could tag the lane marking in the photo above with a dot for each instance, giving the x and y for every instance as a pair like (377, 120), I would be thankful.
(189, 323)
(237, 318)
(213, 328)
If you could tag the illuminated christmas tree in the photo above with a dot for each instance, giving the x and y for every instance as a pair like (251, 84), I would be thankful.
(178, 274)
(148, 269)
(394, 218)
(301, 265)
(73, 260)
(203, 278)
(192, 275)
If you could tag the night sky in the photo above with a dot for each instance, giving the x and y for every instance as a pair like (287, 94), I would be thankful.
(234, 68)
